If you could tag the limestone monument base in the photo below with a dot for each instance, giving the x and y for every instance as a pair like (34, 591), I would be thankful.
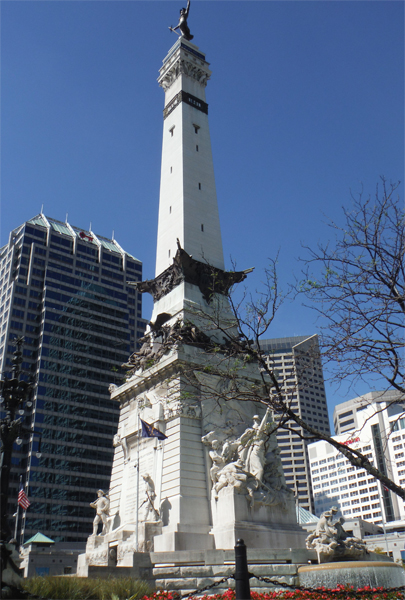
(258, 525)
(118, 547)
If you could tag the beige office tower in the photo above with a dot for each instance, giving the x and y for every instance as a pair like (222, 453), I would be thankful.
(299, 368)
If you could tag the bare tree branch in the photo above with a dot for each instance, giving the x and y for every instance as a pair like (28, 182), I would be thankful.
(357, 287)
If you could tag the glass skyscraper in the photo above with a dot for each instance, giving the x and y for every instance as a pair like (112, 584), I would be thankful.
(65, 290)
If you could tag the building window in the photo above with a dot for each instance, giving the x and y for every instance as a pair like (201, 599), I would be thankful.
(202, 227)
(172, 130)
(196, 148)
(171, 169)
(196, 128)
(199, 186)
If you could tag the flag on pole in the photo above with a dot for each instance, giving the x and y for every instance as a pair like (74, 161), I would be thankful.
(150, 431)
(22, 499)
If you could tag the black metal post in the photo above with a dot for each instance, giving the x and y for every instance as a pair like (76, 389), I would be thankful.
(14, 394)
(242, 575)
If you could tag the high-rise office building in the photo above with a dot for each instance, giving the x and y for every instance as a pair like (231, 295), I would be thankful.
(349, 415)
(377, 429)
(65, 290)
(298, 366)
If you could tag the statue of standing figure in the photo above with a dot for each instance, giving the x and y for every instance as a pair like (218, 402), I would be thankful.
(150, 513)
(118, 440)
(185, 31)
(102, 506)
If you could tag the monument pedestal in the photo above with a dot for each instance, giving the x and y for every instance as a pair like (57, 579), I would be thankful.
(236, 517)
(184, 538)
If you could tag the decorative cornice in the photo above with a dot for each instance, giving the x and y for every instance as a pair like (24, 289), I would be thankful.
(184, 62)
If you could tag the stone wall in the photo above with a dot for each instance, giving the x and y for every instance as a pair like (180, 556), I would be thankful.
(185, 572)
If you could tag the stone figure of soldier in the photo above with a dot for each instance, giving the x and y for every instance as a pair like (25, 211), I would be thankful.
(102, 506)
(150, 513)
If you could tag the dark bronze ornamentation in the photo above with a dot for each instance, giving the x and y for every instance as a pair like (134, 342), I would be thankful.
(188, 99)
(163, 338)
(160, 340)
(210, 280)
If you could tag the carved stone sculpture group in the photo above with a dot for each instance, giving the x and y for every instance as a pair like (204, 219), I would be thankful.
(250, 464)
(331, 541)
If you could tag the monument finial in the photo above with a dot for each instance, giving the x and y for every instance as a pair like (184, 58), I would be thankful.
(184, 29)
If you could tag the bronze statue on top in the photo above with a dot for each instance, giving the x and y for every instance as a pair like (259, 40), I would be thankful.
(185, 31)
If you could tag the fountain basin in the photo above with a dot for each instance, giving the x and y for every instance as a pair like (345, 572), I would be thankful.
(354, 573)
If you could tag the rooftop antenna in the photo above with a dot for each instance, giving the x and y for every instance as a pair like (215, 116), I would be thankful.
(66, 218)
(42, 210)
(90, 226)
(112, 235)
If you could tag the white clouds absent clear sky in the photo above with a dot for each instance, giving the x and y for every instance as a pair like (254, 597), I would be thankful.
(305, 104)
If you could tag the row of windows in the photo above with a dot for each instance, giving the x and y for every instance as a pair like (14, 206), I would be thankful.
(69, 396)
(67, 510)
(72, 384)
(37, 232)
(62, 422)
(59, 356)
(76, 410)
(82, 336)
(82, 302)
(54, 447)
(51, 527)
(67, 318)
(91, 290)
(67, 369)
(55, 426)
(61, 479)
(118, 354)
(81, 466)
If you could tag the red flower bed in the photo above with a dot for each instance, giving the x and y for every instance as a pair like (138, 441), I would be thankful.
(340, 593)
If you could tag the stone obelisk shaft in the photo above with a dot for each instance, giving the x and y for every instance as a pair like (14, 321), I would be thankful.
(188, 210)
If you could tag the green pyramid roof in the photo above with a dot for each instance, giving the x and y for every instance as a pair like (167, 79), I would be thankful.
(304, 516)
(39, 538)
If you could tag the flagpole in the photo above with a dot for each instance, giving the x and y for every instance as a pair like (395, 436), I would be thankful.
(137, 487)
(17, 513)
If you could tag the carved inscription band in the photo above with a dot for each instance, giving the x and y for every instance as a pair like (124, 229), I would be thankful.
(188, 99)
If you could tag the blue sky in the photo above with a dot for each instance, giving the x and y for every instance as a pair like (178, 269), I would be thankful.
(305, 104)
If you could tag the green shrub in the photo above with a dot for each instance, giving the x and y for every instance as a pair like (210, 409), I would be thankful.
(80, 588)
(122, 588)
(62, 588)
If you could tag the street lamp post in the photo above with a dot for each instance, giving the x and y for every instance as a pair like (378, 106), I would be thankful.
(14, 392)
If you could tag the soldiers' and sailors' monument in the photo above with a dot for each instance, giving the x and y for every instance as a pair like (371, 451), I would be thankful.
(189, 472)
